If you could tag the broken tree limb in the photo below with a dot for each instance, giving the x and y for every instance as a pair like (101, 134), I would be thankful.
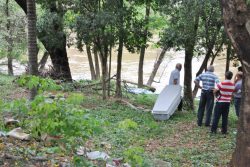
(152, 89)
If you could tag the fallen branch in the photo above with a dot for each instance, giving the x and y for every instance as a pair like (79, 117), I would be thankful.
(152, 89)
(94, 84)
(128, 104)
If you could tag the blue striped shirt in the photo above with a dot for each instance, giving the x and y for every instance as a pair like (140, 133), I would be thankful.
(208, 80)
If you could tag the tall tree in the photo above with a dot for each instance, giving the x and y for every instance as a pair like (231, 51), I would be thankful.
(52, 36)
(118, 91)
(183, 18)
(13, 35)
(236, 14)
(32, 42)
(211, 34)
(9, 40)
(144, 43)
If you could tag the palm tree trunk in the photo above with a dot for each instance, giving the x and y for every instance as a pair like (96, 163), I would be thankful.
(32, 43)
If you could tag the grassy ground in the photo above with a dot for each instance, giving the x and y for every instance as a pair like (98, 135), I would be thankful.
(130, 134)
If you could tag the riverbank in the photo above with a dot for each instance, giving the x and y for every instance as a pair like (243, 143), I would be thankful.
(125, 134)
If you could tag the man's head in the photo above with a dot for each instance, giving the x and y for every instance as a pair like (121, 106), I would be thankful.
(239, 75)
(178, 66)
(228, 75)
(210, 68)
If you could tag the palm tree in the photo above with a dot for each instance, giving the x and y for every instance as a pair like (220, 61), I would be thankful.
(32, 43)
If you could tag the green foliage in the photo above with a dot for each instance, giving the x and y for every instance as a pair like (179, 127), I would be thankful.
(57, 118)
(147, 100)
(127, 124)
(42, 84)
(75, 98)
(134, 156)
(248, 2)
(13, 36)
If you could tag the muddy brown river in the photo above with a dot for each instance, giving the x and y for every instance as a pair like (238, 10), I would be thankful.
(80, 68)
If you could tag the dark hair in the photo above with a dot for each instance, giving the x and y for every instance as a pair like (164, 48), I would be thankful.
(229, 75)
(240, 68)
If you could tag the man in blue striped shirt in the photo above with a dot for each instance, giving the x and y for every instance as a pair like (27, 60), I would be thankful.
(207, 97)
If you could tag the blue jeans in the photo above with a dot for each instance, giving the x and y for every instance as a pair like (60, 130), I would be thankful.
(221, 109)
(206, 101)
(237, 105)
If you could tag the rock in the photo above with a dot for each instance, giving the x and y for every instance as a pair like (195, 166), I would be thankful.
(110, 165)
(126, 165)
(10, 121)
(2, 134)
(18, 134)
(97, 155)
(160, 163)
(82, 151)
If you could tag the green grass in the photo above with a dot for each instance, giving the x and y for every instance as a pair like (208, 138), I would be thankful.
(135, 136)
(177, 140)
(9, 90)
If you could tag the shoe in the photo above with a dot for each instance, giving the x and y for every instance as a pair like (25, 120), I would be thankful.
(208, 125)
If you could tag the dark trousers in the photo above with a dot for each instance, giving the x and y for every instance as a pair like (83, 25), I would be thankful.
(180, 105)
(206, 101)
(237, 105)
(221, 109)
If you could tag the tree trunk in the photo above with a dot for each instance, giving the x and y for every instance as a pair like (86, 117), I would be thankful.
(189, 53)
(97, 67)
(118, 91)
(188, 96)
(32, 43)
(143, 48)
(10, 64)
(202, 68)
(9, 40)
(104, 73)
(236, 16)
(91, 65)
(156, 66)
(57, 51)
(109, 76)
(229, 52)
(43, 61)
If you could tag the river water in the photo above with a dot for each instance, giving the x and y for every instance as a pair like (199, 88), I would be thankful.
(80, 68)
